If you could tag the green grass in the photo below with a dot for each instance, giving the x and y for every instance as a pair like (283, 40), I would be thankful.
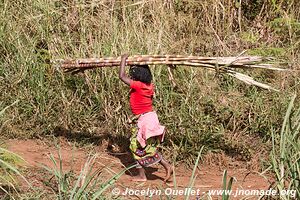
(285, 157)
(9, 172)
(89, 184)
(9, 167)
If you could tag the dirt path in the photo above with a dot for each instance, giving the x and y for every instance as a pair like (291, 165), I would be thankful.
(37, 152)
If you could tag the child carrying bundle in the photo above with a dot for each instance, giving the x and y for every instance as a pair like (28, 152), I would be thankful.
(148, 133)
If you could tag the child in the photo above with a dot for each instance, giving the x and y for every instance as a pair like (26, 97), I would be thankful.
(148, 133)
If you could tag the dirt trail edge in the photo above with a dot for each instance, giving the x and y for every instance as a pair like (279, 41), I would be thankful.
(36, 153)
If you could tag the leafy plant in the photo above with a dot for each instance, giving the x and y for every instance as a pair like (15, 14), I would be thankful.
(87, 185)
(8, 166)
(8, 170)
(226, 187)
(285, 156)
(193, 176)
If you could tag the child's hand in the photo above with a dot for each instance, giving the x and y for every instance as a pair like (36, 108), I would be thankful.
(172, 66)
(124, 56)
(122, 74)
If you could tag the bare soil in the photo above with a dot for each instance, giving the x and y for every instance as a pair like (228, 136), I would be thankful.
(208, 175)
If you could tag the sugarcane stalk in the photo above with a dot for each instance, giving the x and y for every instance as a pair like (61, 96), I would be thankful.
(164, 60)
(226, 65)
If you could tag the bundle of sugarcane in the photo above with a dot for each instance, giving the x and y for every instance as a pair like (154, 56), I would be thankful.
(219, 64)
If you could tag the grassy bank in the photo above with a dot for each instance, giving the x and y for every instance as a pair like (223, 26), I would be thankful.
(216, 111)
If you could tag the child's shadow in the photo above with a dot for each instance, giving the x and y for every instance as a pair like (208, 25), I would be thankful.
(117, 146)
(126, 158)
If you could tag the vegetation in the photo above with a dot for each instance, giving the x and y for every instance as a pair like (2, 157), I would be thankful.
(203, 109)
(89, 184)
(8, 168)
(285, 158)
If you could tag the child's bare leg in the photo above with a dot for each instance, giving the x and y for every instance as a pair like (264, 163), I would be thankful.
(141, 177)
(168, 168)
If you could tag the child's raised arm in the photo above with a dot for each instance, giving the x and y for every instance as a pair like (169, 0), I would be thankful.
(122, 74)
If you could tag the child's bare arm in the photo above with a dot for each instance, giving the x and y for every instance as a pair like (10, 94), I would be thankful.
(122, 74)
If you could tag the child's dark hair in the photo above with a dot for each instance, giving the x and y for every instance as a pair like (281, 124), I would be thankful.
(141, 73)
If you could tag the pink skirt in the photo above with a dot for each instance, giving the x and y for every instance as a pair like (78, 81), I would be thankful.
(149, 126)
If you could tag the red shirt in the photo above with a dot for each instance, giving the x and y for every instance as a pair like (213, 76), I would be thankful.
(141, 96)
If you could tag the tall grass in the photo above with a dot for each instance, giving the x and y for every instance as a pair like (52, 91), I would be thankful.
(285, 155)
(202, 110)
(89, 184)
(8, 172)
(9, 162)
